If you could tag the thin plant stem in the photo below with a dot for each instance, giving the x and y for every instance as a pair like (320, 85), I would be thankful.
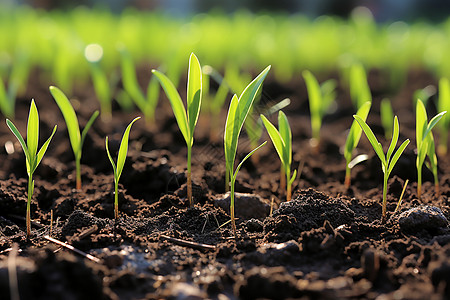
(233, 222)
(30, 194)
(383, 214)
(78, 174)
(189, 179)
(116, 199)
(419, 182)
(348, 177)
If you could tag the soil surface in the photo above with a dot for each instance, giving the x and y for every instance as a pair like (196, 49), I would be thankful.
(327, 243)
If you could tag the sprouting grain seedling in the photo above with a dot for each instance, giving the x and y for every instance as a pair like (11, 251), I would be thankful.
(425, 144)
(145, 103)
(282, 141)
(354, 135)
(359, 88)
(386, 115)
(76, 138)
(237, 113)
(32, 156)
(186, 119)
(320, 99)
(444, 105)
(388, 161)
(121, 156)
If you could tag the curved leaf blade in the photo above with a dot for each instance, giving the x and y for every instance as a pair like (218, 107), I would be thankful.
(69, 116)
(397, 156)
(33, 130)
(123, 149)
(176, 103)
(276, 138)
(194, 92)
(43, 149)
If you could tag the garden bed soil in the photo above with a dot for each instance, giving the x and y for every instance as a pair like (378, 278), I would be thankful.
(327, 243)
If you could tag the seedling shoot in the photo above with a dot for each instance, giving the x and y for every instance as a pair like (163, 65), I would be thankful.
(388, 161)
(186, 119)
(32, 156)
(237, 113)
(76, 138)
(121, 156)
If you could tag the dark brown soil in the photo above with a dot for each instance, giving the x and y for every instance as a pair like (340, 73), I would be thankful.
(328, 243)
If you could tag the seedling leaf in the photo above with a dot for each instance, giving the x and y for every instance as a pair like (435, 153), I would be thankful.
(176, 103)
(123, 149)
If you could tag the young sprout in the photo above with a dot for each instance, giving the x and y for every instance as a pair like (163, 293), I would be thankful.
(388, 161)
(121, 156)
(76, 139)
(186, 119)
(444, 105)
(32, 156)
(320, 99)
(145, 103)
(359, 88)
(282, 141)
(237, 113)
(425, 143)
(386, 115)
(354, 135)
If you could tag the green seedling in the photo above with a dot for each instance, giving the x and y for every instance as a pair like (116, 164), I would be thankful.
(186, 119)
(76, 138)
(386, 115)
(359, 88)
(282, 141)
(145, 103)
(320, 98)
(121, 156)
(237, 114)
(425, 143)
(388, 161)
(354, 135)
(444, 105)
(32, 156)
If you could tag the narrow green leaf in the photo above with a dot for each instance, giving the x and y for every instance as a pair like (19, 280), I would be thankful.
(433, 122)
(394, 140)
(397, 156)
(33, 131)
(354, 135)
(19, 137)
(421, 122)
(230, 142)
(444, 100)
(43, 149)
(294, 175)
(152, 97)
(245, 158)
(248, 96)
(327, 89)
(315, 101)
(276, 138)
(286, 135)
(372, 139)
(194, 92)
(129, 80)
(176, 103)
(111, 159)
(69, 116)
(123, 149)
(101, 84)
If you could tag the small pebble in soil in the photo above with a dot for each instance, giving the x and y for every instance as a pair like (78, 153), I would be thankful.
(422, 217)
